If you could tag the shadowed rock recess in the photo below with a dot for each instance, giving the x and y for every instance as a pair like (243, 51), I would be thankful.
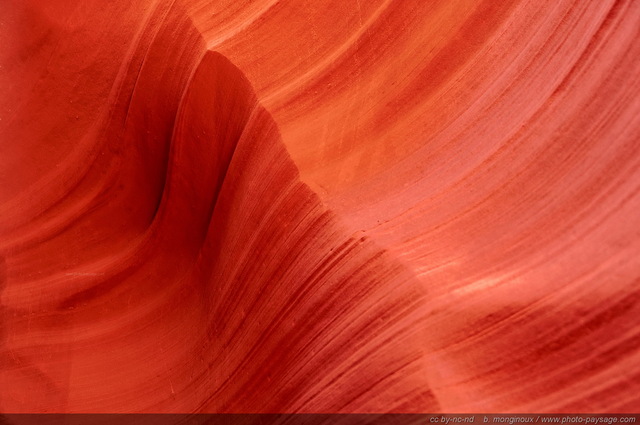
(235, 206)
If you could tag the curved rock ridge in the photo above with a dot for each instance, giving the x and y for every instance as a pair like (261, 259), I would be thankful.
(187, 268)
(293, 206)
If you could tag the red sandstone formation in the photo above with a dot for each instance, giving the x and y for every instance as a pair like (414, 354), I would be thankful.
(327, 206)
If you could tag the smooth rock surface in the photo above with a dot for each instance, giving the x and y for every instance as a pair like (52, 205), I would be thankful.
(328, 206)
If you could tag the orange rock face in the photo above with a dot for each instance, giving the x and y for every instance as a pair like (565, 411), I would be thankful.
(328, 206)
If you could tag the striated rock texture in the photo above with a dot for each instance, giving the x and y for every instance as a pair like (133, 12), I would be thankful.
(293, 206)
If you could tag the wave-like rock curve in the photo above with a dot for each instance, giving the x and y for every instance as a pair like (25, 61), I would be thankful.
(271, 206)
